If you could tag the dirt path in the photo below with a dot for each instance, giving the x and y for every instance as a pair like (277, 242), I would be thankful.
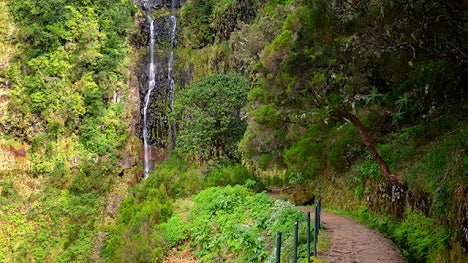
(352, 242)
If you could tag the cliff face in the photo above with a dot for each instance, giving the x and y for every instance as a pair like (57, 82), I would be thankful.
(155, 4)
(11, 158)
(68, 113)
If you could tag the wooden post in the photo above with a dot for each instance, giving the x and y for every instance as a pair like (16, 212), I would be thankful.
(316, 229)
(308, 237)
(278, 248)
(296, 237)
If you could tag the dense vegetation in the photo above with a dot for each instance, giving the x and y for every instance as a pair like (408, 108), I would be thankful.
(363, 96)
(234, 224)
(67, 114)
(361, 102)
(209, 116)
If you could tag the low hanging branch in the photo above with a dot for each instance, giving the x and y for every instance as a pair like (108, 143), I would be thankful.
(394, 180)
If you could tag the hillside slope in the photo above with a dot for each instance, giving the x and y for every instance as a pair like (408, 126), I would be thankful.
(360, 102)
(67, 143)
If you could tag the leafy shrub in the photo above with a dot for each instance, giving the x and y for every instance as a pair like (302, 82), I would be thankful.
(343, 150)
(368, 169)
(231, 223)
(306, 154)
(420, 238)
(196, 17)
(7, 191)
(209, 114)
(232, 175)
(133, 238)
(175, 230)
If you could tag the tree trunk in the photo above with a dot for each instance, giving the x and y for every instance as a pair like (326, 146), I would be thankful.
(394, 180)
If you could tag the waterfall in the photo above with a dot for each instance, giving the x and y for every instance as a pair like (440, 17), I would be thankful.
(162, 93)
(151, 84)
(170, 75)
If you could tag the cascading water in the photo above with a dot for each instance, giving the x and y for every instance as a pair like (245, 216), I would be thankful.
(159, 93)
(151, 84)
(170, 75)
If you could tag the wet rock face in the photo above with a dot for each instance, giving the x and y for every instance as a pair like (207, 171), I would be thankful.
(152, 4)
(159, 109)
(222, 25)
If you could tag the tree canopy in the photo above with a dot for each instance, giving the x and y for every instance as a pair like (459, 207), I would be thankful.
(210, 117)
(334, 59)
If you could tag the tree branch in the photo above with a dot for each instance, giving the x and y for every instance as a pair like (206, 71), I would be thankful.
(394, 180)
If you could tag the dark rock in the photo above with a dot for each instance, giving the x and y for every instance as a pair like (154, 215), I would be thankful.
(299, 194)
(157, 113)
(153, 4)
(231, 19)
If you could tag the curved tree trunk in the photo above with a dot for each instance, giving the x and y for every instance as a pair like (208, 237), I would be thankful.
(394, 180)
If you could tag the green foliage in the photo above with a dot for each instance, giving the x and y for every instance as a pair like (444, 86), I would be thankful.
(231, 223)
(232, 175)
(248, 42)
(374, 97)
(306, 155)
(135, 236)
(58, 104)
(7, 191)
(284, 98)
(58, 226)
(206, 22)
(436, 165)
(138, 234)
(420, 240)
(70, 47)
(209, 114)
(344, 149)
(274, 53)
(295, 178)
(175, 230)
(360, 176)
(196, 15)
(315, 64)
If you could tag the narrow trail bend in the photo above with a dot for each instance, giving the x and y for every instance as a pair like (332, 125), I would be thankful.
(352, 242)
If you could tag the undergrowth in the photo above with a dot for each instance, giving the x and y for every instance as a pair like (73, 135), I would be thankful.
(429, 229)
(233, 224)
(418, 236)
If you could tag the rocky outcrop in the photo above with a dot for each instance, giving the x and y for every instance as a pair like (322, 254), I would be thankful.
(13, 156)
(157, 114)
(225, 23)
(150, 4)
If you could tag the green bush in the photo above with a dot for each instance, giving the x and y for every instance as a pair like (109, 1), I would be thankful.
(306, 155)
(344, 148)
(175, 230)
(135, 235)
(231, 223)
(421, 239)
(232, 175)
(209, 115)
